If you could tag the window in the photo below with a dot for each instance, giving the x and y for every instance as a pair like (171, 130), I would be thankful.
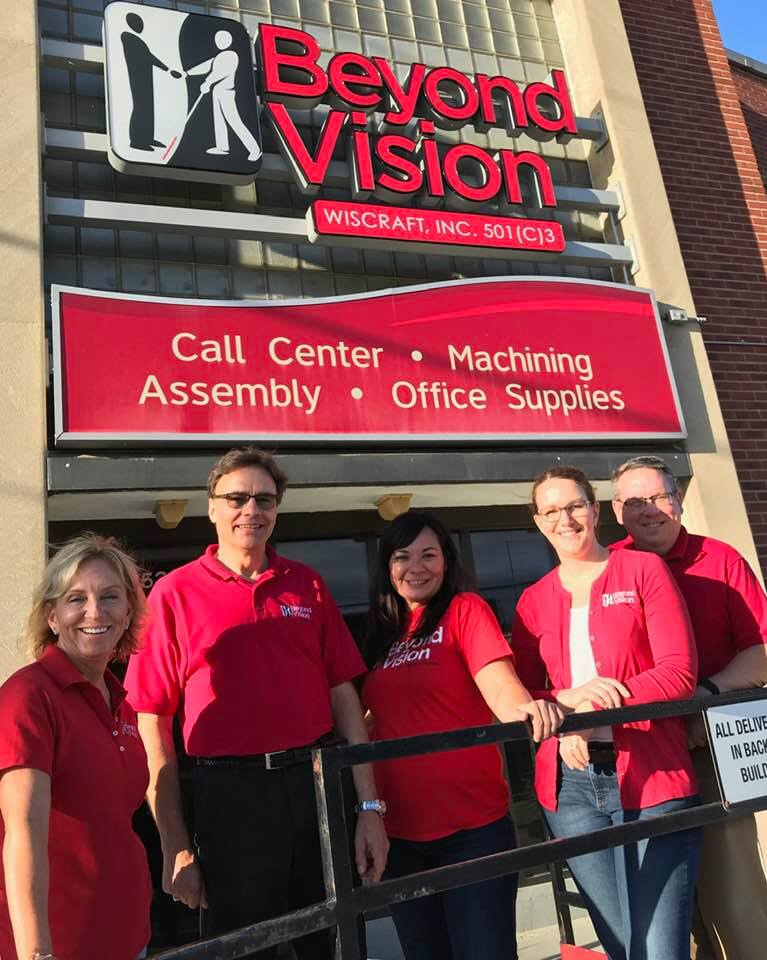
(507, 561)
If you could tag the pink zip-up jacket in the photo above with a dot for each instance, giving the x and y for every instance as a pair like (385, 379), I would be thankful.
(641, 635)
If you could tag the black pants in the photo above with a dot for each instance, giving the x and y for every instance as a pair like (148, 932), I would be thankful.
(258, 842)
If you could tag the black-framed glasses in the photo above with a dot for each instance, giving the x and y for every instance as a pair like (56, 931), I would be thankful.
(576, 510)
(659, 500)
(238, 499)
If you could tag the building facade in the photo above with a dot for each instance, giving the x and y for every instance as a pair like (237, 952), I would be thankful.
(642, 199)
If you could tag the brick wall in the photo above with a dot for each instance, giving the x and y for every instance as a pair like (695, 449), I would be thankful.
(719, 206)
(752, 93)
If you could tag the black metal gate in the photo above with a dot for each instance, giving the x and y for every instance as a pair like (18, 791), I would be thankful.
(346, 901)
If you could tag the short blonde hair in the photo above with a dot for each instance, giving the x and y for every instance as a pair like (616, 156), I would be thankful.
(58, 576)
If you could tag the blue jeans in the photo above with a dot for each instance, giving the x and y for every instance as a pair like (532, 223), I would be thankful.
(639, 896)
(477, 922)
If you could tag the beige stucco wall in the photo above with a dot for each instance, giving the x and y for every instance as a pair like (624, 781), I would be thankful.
(22, 354)
(602, 77)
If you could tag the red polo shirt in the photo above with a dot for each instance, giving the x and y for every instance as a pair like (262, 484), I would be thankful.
(641, 635)
(249, 663)
(425, 686)
(727, 605)
(52, 719)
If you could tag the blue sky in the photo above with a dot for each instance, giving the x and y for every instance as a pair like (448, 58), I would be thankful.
(744, 26)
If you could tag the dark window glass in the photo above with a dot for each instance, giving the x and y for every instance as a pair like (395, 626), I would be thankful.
(342, 564)
(507, 561)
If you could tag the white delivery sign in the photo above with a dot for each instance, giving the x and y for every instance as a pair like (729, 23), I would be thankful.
(738, 736)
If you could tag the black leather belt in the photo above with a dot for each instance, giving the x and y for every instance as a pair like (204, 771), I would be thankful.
(276, 760)
(602, 751)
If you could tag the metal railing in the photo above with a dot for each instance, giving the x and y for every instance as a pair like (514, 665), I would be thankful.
(347, 901)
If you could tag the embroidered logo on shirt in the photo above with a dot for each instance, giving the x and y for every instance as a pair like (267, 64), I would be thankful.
(408, 651)
(620, 596)
(129, 730)
(290, 610)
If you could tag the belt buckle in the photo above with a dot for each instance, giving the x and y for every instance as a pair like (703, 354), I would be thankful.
(268, 759)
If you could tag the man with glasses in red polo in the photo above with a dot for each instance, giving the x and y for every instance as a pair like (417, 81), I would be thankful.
(251, 653)
(728, 610)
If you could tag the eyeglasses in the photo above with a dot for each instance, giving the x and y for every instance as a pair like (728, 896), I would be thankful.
(264, 501)
(576, 510)
(659, 500)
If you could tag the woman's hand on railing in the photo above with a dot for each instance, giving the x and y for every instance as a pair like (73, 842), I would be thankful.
(574, 747)
(574, 750)
(545, 716)
(604, 691)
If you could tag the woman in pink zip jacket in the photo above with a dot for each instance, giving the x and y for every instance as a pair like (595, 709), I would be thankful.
(605, 629)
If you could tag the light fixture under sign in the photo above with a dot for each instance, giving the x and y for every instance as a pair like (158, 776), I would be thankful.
(392, 505)
(170, 513)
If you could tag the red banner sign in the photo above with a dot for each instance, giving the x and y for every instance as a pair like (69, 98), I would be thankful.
(472, 361)
(334, 218)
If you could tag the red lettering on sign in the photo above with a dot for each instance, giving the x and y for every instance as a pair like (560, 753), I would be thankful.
(363, 175)
(310, 170)
(343, 79)
(502, 359)
(272, 59)
(430, 159)
(443, 109)
(543, 184)
(559, 93)
(490, 171)
(388, 150)
(400, 164)
(403, 99)
(515, 102)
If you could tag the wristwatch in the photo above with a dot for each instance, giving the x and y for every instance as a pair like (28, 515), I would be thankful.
(372, 806)
(710, 686)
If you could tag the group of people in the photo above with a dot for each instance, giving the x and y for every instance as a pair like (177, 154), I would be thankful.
(249, 653)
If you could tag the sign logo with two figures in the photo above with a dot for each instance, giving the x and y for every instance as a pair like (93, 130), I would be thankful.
(183, 102)
(180, 94)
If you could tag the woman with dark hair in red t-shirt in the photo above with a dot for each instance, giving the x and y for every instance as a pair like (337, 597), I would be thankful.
(439, 662)
(603, 629)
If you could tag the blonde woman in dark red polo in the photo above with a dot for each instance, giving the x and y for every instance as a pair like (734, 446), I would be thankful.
(75, 883)
(601, 630)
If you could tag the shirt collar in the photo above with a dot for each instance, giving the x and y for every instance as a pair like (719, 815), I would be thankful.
(58, 666)
(678, 551)
(275, 564)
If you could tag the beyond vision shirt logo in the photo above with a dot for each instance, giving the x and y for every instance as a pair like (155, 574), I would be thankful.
(290, 610)
(620, 596)
(180, 94)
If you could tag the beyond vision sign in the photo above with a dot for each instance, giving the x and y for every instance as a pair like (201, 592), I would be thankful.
(500, 359)
(184, 96)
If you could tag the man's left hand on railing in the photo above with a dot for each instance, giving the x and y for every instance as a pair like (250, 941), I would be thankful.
(371, 846)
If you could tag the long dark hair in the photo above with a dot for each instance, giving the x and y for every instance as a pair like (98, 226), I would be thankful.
(387, 614)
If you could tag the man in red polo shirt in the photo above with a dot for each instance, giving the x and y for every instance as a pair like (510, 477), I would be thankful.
(728, 610)
(252, 654)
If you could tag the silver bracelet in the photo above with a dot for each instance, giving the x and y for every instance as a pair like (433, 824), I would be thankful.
(42, 956)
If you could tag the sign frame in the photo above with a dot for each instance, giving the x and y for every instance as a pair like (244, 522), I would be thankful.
(66, 438)
(723, 713)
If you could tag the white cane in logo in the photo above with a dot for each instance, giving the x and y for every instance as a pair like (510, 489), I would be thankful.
(221, 71)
